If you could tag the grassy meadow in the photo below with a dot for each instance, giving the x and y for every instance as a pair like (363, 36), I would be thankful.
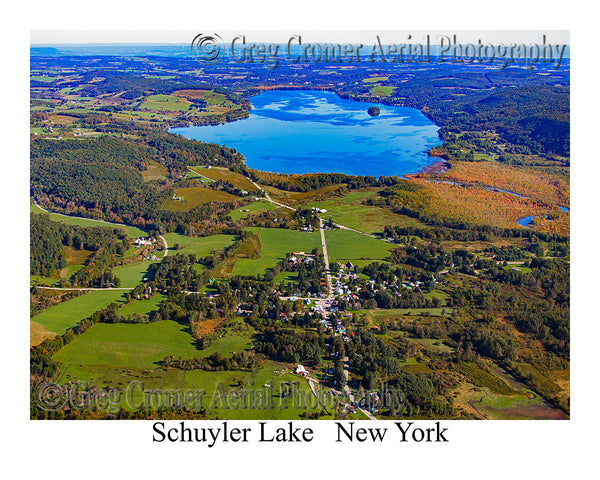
(275, 243)
(349, 245)
(221, 173)
(169, 103)
(199, 246)
(133, 274)
(142, 306)
(59, 318)
(256, 207)
(188, 198)
(117, 355)
(349, 211)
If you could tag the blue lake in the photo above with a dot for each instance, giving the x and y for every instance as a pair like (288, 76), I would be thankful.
(310, 131)
(525, 221)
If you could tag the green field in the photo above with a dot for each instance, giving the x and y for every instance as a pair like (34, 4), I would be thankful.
(350, 212)
(193, 174)
(42, 78)
(442, 296)
(40, 280)
(133, 274)
(349, 245)
(168, 103)
(258, 206)
(433, 344)
(61, 317)
(70, 270)
(207, 383)
(220, 173)
(374, 79)
(275, 243)
(191, 197)
(129, 345)
(520, 268)
(142, 306)
(212, 99)
(286, 277)
(69, 90)
(118, 354)
(382, 90)
(227, 345)
(199, 246)
(133, 232)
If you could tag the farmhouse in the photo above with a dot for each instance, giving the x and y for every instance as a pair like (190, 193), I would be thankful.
(300, 370)
(140, 242)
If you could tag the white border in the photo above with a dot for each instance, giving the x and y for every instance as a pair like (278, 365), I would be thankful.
(548, 449)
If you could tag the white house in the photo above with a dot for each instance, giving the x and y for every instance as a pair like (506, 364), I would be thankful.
(141, 242)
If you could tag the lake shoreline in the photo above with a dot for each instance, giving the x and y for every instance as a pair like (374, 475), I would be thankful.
(311, 131)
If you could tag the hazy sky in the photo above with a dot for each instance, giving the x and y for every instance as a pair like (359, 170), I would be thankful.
(281, 36)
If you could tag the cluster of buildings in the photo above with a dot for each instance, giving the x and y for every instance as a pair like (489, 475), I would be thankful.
(141, 242)
(300, 257)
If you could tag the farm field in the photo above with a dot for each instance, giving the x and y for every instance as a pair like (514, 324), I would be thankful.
(258, 206)
(208, 384)
(209, 96)
(199, 246)
(121, 353)
(276, 242)
(133, 274)
(59, 318)
(133, 232)
(374, 79)
(286, 277)
(45, 281)
(142, 306)
(434, 344)
(349, 211)
(37, 334)
(308, 199)
(382, 90)
(168, 103)
(349, 245)
(129, 345)
(193, 196)
(220, 173)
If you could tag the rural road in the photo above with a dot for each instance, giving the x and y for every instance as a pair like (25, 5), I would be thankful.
(269, 199)
(344, 227)
(166, 246)
(339, 225)
(349, 393)
(326, 258)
